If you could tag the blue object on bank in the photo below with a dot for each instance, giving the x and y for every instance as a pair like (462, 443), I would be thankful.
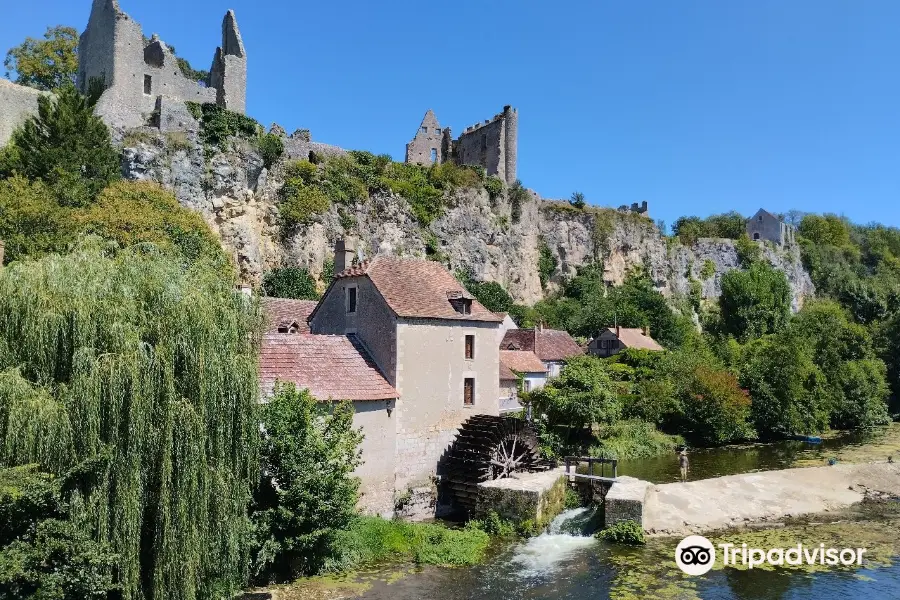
(832, 462)
(812, 439)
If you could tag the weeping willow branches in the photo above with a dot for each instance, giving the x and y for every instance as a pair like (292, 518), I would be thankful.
(137, 375)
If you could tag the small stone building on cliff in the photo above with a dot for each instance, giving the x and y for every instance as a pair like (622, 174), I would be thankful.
(764, 226)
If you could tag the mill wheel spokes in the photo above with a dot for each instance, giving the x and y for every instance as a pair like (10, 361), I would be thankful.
(508, 459)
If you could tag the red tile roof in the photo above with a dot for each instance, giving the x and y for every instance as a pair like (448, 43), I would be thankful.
(333, 367)
(283, 311)
(550, 345)
(506, 374)
(522, 361)
(633, 337)
(418, 288)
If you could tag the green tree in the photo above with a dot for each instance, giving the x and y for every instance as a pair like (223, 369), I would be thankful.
(31, 221)
(825, 229)
(789, 392)
(582, 395)
(290, 282)
(754, 302)
(715, 409)
(309, 450)
(47, 64)
(42, 554)
(154, 364)
(67, 147)
(577, 200)
(748, 251)
(863, 395)
(546, 263)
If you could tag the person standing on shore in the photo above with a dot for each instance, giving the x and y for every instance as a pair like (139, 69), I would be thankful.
(683, 463)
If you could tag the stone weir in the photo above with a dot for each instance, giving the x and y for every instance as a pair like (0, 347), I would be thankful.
(737, 500)
(534, 497)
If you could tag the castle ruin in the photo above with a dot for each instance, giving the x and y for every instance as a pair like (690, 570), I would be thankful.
(492, 144)
(137, 73)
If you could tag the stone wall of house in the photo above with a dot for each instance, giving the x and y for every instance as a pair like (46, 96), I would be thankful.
(17, 104)
(377, 418)
(430, 374)
(373, 322)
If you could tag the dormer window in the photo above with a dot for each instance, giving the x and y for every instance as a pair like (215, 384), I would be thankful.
(461, 301)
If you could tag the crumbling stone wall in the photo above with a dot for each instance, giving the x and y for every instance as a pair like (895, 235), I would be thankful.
(135, 72)
(17, 103)
(492, 144)
(427, 146)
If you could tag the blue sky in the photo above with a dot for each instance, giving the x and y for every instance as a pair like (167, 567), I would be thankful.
(697, 106)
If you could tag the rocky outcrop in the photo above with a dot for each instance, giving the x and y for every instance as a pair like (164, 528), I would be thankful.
(238, 197)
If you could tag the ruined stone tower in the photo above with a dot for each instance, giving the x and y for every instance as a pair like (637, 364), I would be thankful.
(136, 72)
(492, 144)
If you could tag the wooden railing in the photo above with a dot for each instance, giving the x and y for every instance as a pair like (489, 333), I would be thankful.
(574, 461)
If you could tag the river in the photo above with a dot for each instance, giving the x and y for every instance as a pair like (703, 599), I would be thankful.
(567, 563)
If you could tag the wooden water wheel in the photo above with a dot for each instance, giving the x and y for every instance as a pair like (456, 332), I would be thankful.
(487, 448)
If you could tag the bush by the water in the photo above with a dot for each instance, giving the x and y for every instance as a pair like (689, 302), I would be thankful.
(369, 540)
(624, 532)
(633, 439)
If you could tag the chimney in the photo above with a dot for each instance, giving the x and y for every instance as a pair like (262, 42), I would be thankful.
(344, 251)
(618, 330)
(646, 330)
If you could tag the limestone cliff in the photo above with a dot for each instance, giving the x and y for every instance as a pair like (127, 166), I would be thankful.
(239, 199)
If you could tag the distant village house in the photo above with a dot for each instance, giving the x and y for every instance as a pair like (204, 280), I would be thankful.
(613, 340)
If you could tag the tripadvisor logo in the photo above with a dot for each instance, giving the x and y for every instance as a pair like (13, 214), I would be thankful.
(696, 555)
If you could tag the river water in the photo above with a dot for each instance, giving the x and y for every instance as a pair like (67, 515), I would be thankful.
(567, 563)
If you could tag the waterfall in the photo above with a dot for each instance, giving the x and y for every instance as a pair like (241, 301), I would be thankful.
(566, 535)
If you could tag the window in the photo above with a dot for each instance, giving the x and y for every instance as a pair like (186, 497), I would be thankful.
(469, 391)
(527, 384)
(434, 155)
(437, 131)
(148, 84)
(351, 300)
(462, 305)
(424, 129)
(470, 347)
(759, 218)
(756, 236)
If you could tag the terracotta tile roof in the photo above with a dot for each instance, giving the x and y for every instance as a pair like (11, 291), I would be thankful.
(418, 288)
(633, 337)
(523, 361)
(550, 345)
(283, 311)
(506, 374)
(333, 367)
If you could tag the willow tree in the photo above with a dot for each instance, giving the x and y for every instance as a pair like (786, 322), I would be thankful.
(135, 378)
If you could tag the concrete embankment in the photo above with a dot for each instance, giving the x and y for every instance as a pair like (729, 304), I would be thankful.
(736, 500)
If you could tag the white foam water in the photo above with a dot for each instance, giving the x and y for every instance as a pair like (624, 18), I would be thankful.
(562, 540)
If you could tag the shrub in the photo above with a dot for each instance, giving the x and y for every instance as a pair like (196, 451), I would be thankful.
(305, 171)
(218, 125)
(754, 302)
(716, 410)
(708, 269)
(370, 540)
(494, 187)
(748, 251)
(573, 500)
(546, 263)
(493, 525)
(309, 451)
(299, 205)
(271, 147)
(624, 532)
(290, 282)
(66, 147)
(577, 200)
(517, 196)
(633, 439)
(31, 221)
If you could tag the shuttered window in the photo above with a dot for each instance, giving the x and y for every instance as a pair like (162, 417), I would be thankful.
(470, 347)
(469, 391)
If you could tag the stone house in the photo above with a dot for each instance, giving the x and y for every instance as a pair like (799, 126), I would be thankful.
(766, 226)
(338, 367)
(430, 340)
(613, 340)
(528, 365)
(551, 346)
